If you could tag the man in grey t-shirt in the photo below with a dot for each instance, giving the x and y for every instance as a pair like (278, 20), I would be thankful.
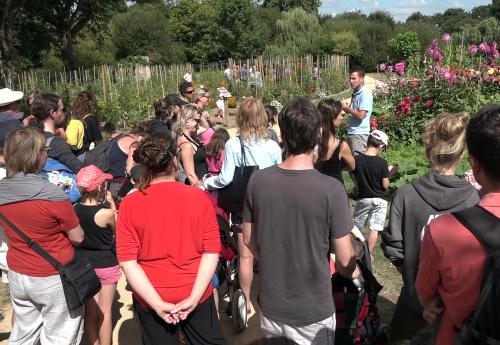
(293, 215)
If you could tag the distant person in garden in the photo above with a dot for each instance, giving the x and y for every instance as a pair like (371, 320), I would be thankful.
(186, 90)
(333, 153)
(416, 204)
(372, 178)
(10, 114)
(260, 151)
(359, 112)
(228, 74)
(168, 245)
(99, 224)
(48, 109)
(452, 260)
(244, 73)
(83, 109)
(293, 215)
(36, 291)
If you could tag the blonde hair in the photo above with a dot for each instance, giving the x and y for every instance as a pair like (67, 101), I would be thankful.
(189, 111)
(252, 120)
(198, 93)
(444, 140)
(22, 151)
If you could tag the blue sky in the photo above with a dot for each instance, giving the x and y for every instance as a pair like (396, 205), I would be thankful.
(400, 9)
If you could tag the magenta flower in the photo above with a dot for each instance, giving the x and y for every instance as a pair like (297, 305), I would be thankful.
(494, 51)
(434, 51)
(382, 67)
(446, 38)
(472, 49)
(389, 69)
(484, 47)
(400, 67)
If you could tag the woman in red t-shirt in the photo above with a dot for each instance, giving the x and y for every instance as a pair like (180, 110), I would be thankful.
(42, 211)
(168, 245)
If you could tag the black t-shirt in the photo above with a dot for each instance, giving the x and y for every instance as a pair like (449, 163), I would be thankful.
(370, 170)
(296, 214)
(60, 151)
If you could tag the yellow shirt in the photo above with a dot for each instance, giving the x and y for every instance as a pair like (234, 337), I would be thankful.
(74, 133)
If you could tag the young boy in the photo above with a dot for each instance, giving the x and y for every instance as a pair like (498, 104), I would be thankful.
(372, 177)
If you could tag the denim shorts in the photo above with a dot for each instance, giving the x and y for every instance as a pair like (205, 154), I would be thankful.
(371, 212)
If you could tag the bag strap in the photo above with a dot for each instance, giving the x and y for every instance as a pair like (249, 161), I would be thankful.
(32, 244)
(243, 155)
(48, 141)
(485, 227)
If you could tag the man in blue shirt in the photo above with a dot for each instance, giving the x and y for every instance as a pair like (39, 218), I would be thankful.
(359, 112)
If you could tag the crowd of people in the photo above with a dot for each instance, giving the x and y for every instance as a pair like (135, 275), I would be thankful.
(144, 210)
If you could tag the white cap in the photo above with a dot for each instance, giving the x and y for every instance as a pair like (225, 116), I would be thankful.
(379, 135)
(7, 96)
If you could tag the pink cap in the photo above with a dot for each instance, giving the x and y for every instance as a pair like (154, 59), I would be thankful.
(91, 177)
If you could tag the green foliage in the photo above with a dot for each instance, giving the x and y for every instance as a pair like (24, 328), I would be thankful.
(298, 33)
(145, 31)
(404, 46)
(90, 51)
(310, 6)
(343, 43)
(373, 36)
(194, 25)
(426, 32)
(486, 30)
(238, 34)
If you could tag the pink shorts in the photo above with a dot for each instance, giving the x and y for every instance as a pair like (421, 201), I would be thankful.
(109, 275)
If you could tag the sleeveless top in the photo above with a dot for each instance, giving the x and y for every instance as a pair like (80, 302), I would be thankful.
(199, 159)
(117, 160)
(98, 244)
(333, 166)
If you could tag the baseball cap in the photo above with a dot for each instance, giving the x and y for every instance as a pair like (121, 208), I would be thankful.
(91, 177)
(379, 135)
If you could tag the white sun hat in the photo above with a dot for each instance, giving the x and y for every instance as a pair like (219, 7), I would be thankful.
(7, 96)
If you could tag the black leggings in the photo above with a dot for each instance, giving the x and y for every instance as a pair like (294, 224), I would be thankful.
(200, 328)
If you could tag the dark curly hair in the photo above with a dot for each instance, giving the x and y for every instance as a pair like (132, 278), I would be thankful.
(156, 156)
(83, 105)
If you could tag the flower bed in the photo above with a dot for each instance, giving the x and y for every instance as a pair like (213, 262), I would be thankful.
(449, 78)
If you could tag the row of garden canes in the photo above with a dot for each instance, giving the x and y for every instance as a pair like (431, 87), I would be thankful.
(300, 122)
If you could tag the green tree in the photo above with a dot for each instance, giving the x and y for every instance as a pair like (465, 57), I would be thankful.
(417, 17)
(90, 51)
(298, 33)
(145, 31)
(383, 17)
(237, 27)
(343, 43)
(68, 20)
(404, 46)
(481, 12)
(195, 25)
(425, 30)
(453, 19)
(495, 9)
(310, 6)
(486, 30)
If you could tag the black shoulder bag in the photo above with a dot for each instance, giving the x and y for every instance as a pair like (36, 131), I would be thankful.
(231, 198)
(79, 280)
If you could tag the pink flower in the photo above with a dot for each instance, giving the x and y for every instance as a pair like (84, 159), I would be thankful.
(446, 38)
(428, 104)
(494, 51)
(417, 98)
(382, 67)
(389, 69)
(484, 47)
(400, 67)
(406, 110)
(472, 49)
(373, 124)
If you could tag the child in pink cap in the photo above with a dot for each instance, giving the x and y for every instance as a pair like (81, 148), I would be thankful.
(99, 224)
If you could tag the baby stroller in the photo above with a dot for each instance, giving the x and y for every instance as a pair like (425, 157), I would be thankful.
(227, 271)
(357, 314)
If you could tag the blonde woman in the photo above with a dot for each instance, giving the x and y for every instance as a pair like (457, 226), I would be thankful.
(416, 204)
(191, 151)
(260, 150)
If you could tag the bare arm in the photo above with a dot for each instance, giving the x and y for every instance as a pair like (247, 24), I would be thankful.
(385, 183)
(358, 114)
(141, 285)
(347, 157)
(75, 235)
(188, 162)
(345, 257)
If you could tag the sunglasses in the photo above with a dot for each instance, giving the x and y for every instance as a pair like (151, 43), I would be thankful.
(190, 91)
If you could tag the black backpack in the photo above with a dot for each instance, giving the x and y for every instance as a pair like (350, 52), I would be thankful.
(482, 327)
(99, 155)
